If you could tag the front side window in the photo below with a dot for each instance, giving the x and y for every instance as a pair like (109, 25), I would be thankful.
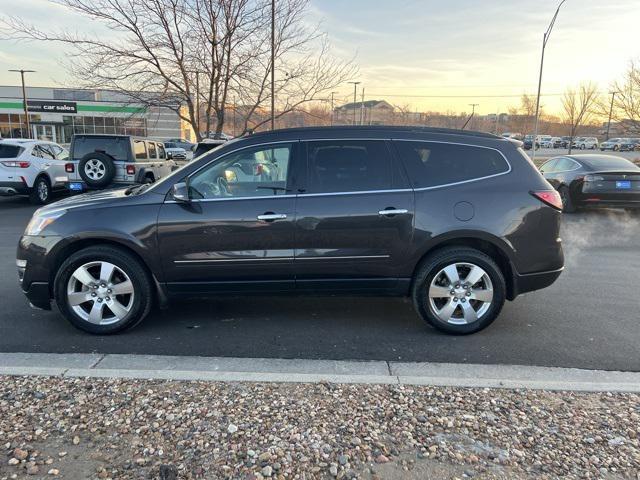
(152, 150)
(549, 166)
(252, 172)
(161, 153)
(349, 166)
(431, 164)
(139, 150)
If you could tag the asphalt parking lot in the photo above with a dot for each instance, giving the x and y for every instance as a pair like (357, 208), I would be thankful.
(588, 319)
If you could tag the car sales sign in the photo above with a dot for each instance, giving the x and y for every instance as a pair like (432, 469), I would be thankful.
(51, 106)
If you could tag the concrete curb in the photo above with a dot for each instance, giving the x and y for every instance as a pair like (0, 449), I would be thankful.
(309, 371)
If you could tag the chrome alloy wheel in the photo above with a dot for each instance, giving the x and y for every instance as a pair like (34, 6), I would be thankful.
(95, 169)
(460, 294)
(100, 293)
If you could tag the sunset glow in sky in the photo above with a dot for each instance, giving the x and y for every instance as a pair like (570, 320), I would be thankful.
(411, 51)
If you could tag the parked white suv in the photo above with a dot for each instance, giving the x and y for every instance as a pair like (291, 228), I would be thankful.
(32, 167)
(586, 143)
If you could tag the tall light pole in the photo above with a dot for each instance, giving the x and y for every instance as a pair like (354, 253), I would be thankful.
(613, 96)
(273, 64)
(332, 95)
(545, 39)
(24, 99)
(355, 99)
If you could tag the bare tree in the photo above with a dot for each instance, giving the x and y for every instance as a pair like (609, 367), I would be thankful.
(626, 106)
(578, 107)
(194, 56)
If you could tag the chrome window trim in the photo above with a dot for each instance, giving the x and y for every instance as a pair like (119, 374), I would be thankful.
(461, 182)
(345, 257)
(362, 192)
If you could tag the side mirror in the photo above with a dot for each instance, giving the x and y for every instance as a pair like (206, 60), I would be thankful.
(180, 192)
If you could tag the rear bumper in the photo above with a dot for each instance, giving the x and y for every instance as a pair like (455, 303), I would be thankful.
(534, 281)
(13, 188)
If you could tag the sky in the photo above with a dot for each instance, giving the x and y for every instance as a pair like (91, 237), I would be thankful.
(411, 51)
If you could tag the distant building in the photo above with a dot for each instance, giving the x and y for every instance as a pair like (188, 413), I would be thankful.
(55, 114)
(370, 112)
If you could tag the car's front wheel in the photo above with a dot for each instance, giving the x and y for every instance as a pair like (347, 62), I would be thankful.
(459, 290)
(103, 290)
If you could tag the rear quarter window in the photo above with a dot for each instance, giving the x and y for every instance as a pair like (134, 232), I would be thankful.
(431, 164)
(139, 150)
(10, 151)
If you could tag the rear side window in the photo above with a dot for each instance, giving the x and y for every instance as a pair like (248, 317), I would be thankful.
(550, 166)
(431, 164)
(116, 148)
(565, 164)
(152, 150)
(139, 150)
(10, 151)
(348, 166)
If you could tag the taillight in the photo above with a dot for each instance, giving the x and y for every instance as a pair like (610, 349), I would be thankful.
(593, 178)
(549, 197)
(16, 164)
(131, 169)
(69, 168)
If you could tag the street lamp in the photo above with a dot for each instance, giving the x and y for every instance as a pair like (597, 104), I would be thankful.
(545, 39)
(355, 98)
(613, 97)
(24, 98)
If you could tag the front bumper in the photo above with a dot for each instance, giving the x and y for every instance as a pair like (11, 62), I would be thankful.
(39, 295)
(35, 272)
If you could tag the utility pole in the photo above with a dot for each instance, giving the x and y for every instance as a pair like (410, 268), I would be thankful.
(545, 39)
(613, 96)
(355, 99)
(362, 108)
(273, 64)
(234, 115)
(332, 94)
(24, 99)
(473, 112)
(198, 104)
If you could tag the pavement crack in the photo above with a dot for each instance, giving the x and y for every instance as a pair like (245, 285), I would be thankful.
(95, 364)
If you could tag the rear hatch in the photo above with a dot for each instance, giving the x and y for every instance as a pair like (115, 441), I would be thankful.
(616, 185)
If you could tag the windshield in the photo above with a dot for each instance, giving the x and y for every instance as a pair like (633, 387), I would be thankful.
(170, 145)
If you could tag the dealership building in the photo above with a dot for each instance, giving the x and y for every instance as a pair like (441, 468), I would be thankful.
(55, 114)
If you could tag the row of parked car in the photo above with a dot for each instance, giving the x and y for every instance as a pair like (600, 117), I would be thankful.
(581, 143)
(38, 168)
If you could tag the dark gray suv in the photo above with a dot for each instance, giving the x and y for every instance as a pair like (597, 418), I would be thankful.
(459, 221)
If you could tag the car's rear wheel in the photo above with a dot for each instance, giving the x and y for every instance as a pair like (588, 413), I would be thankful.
(103, 290)
(567, 202)
(41, 193)
(459, 290)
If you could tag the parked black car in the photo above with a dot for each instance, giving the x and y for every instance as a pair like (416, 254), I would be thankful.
(561, 142)
(459, 221)
(594, 181)
(630, 145)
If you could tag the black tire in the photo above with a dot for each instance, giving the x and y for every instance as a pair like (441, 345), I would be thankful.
(142, 287)
(567, 202)
(433, 264)
(105, 165)
(149, 178)
(41, 192)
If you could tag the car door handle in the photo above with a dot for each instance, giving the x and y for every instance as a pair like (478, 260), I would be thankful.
(393, 211)
(270, 217)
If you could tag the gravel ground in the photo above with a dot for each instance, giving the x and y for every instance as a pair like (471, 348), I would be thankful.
(120, 429)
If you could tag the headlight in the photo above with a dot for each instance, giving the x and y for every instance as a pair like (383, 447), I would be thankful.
(40, 221)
